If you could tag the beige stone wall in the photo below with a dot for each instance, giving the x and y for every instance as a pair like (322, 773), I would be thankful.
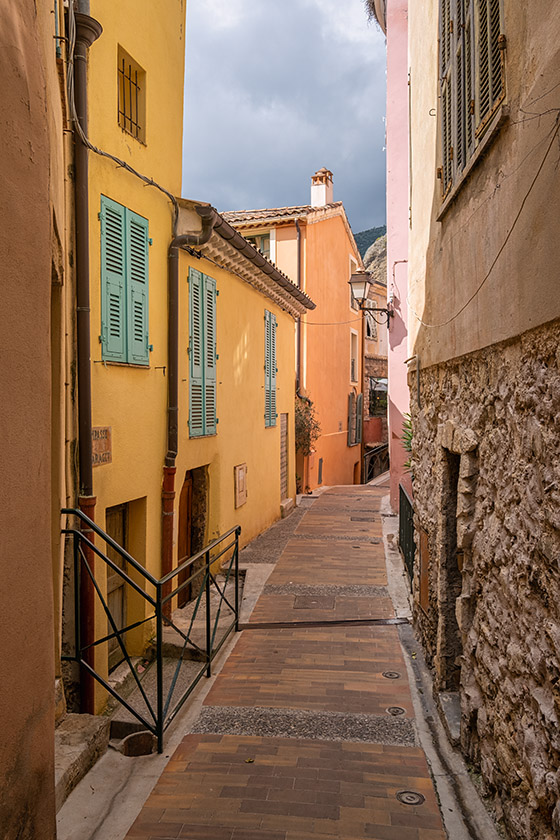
(487, 489)
(492, 259)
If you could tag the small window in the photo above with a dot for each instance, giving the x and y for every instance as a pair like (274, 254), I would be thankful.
(261, 242)
(131, 80)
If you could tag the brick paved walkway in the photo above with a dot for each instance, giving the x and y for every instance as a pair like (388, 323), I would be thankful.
(307, 731)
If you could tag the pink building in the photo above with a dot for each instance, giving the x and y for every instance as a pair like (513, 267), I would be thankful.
(392, 16)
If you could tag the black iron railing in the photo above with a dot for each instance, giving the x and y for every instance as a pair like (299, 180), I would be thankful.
(156, 596)
(376, 462)
(406, 531)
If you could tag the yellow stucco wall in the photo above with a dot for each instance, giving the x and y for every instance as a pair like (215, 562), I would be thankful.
(132, 400)
(241, 434)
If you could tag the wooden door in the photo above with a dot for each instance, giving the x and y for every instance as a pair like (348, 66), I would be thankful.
(116, 525)
(184, 549)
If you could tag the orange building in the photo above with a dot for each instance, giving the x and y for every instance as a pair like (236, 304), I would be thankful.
(314, 245)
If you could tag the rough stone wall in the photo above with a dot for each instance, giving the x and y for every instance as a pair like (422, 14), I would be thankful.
(496, 411)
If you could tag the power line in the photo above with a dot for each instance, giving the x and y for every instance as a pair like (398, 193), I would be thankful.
(503, 245)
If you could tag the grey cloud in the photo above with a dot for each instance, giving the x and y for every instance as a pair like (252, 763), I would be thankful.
(273, 99)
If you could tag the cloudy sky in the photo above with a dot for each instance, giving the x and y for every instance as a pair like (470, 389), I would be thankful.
(276, 89)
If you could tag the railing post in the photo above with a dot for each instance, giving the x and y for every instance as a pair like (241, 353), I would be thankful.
(236, 561)
(159, 666)
(208, 633)
(77, 619)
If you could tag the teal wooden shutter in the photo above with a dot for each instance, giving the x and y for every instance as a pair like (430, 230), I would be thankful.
(196, 355)
(137, 277)
(273, 371)
(113, 281)
(267, 366)
(350, 439)
(359, 405)
(209, 355)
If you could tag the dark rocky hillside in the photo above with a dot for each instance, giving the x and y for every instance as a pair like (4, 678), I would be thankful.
(367, 237)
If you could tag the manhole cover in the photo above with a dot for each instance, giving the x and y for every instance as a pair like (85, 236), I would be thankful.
(410, 797)
(391, 675)
(362, 519)
(313, 602)
(395, 711)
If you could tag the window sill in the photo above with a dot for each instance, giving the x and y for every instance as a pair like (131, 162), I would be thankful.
(107, 363)
(491, 132)
(203, 437)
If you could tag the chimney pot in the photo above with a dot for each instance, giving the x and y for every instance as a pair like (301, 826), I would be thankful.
(322, 188)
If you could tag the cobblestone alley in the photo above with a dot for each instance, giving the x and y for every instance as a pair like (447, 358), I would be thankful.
(308, 730)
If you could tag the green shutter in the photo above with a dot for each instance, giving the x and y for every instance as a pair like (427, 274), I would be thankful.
(273, 414)
(267, 366)
(137, 282)
(196, 354)
(350, 439)
(359, 418)
(209, 355)
(113, 281)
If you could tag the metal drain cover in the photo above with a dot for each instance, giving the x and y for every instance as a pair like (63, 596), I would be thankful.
(395, 711)
(410, 797)
(391, 675)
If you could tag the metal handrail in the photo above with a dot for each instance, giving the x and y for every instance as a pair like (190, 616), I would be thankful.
(376, 462)
(159, 716)
(407, 544)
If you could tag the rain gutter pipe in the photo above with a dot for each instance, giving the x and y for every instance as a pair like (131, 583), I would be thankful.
(169, 470)
(87, 31)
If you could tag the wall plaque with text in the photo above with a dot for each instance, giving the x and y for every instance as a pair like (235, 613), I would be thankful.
(101, 444)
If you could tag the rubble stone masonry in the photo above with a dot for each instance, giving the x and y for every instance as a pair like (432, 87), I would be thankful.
(486, 456)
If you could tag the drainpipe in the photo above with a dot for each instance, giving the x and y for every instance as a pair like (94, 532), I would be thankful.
(208, 215)
(87, 31)
(298, 323)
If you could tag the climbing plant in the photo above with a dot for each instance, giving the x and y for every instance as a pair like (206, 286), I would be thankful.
(308, 427)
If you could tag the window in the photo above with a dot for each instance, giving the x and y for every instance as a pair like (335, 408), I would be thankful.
(377, 397)
(371, 325)
(353, 356)
(471, 78)
(131, 83)
(355, 404)
(353, 268)
(270, 369)
(261, 243)
(202, 354)
(124, 284)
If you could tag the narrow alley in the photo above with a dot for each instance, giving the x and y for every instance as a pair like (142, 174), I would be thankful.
(308, 731)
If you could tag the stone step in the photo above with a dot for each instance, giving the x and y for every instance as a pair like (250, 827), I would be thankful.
(79, 741)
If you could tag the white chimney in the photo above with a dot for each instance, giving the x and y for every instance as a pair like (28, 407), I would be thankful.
(322, 188)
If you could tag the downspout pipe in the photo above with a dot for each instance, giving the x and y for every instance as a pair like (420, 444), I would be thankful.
(191, 240)
(87, 31)
(298, 325)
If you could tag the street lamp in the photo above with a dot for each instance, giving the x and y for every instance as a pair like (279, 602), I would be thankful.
(360, 283)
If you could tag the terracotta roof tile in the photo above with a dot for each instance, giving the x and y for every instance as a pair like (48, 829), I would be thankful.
(240, 216)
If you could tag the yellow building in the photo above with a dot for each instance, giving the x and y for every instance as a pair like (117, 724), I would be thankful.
(191, 335)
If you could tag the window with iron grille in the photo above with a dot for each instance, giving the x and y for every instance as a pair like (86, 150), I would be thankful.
(131, 81)
(471, 72)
